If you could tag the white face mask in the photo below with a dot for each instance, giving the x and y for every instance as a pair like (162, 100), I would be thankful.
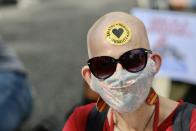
(125, 91)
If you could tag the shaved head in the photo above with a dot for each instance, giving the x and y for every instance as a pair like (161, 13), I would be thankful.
(98, 45)
(113, 35)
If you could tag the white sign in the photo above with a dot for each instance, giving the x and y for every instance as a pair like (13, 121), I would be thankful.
(173, 35)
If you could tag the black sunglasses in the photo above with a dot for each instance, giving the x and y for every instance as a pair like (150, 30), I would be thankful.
(133, 61)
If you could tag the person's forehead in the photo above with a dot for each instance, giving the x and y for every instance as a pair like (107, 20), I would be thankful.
(112, 37)
(105, 49)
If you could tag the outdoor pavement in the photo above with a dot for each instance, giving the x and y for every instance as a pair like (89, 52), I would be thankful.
(50, 38)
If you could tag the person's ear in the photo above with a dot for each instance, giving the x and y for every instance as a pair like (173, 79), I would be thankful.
(86, 74)
(157, 59)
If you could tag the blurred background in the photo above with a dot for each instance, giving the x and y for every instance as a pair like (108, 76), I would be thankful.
(49, 37)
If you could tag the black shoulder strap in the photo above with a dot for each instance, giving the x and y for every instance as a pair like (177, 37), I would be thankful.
(182, 117)
(96, 119)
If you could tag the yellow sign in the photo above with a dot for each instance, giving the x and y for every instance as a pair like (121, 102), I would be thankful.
(118, 34)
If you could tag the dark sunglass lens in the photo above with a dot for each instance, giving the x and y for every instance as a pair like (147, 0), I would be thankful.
(134, 60)
(102, 67)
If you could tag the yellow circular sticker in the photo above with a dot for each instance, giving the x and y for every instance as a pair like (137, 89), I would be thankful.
(118, 34)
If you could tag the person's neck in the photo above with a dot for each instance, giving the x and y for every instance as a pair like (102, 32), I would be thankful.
(136, 120)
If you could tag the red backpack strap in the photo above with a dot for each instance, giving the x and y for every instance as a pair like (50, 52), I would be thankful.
(96, 119)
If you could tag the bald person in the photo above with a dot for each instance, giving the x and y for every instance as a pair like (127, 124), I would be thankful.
(121, 69)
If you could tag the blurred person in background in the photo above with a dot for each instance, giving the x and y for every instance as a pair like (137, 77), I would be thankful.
(121, 70)
(182, 4)
(168, 4)
(15, 91)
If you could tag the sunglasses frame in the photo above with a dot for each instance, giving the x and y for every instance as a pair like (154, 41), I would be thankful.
(116, 61)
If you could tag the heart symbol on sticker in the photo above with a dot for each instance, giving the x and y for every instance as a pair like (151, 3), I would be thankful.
(118, 32)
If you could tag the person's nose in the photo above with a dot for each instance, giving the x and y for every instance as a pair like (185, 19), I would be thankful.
(119, 67)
